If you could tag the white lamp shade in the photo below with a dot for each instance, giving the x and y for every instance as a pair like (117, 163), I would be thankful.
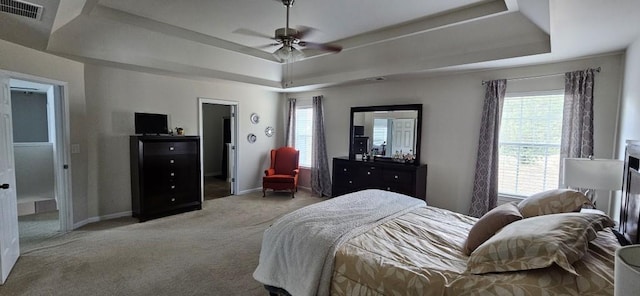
(599, 174)
(627, 271)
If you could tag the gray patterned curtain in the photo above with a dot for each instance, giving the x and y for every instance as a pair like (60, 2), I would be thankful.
(320, 179)
(290, 134)
(485, 184)
(577, 117)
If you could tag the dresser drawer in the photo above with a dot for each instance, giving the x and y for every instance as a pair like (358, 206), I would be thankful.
(398, 177)
(164, 148)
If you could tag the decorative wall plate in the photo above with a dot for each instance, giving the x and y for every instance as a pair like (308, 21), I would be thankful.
(269, 131)
(255, 118)
(251, 138)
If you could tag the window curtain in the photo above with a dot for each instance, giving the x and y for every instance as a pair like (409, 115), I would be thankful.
(577, 117)
(485, 184)
(290, 134)
(320, 179)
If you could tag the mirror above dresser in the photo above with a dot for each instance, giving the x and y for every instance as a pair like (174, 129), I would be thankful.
(384, 132)
(381, 131)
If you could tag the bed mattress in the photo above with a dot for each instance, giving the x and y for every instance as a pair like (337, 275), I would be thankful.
(420, 253)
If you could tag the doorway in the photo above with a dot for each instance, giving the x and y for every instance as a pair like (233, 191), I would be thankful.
(38, 149)
(217, 126)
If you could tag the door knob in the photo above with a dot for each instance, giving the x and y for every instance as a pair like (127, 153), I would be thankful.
(4, 186)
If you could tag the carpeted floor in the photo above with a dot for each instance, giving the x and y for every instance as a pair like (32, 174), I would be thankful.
(37, 228)
(213, 251)
(216, 187)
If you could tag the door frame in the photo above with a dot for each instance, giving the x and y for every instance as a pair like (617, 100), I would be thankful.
(62, 159)
(234, 140)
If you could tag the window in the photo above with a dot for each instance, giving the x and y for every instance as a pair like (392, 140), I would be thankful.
(529, 146)
(303, 134)
(379, 131)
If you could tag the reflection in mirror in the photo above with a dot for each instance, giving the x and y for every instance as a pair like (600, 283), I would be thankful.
(386, 131)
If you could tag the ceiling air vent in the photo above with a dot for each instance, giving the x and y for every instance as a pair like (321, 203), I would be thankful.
(21, 8)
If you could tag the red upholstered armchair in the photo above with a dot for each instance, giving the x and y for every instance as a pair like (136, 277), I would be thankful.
(283, 173)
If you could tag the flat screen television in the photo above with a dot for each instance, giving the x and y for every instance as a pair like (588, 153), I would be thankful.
(151, 124)
(358, 130)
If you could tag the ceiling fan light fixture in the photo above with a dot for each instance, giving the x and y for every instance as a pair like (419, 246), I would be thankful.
(288, 54)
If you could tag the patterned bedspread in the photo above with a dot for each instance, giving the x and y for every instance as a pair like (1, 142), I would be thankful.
(420, 253)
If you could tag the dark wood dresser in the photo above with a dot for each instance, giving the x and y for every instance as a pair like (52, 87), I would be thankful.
(353, 175)
(165, 175)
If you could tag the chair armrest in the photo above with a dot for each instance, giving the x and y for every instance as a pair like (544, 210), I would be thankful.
(295, 172)
(269, 172)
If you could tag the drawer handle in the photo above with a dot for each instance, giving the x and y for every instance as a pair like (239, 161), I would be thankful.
(173, 186)
(368, 173)
(173, 199)
(396, 177)
(344, 169)
(171, 148)
(350, 182)
(173, 174)
(171, 161)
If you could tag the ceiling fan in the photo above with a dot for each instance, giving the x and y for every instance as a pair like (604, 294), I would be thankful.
(289, 39)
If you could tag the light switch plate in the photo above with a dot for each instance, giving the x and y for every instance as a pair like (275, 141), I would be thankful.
(75, 148)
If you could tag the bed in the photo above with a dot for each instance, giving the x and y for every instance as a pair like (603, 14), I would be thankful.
(398, 245)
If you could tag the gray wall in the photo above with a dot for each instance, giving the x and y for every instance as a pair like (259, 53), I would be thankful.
(452, 110)
(29, 115)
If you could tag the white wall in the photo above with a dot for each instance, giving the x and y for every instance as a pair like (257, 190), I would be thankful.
(19, 59)
(34, 170)
(630, 106)
(113, 95)
(452, 107)
(630, 102)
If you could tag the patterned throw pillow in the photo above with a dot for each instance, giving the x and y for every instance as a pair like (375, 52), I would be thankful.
(489, 224)
(553, 202)
(538, 242)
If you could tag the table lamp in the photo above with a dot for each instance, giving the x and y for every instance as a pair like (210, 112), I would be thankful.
(592, 174)
(627, 271)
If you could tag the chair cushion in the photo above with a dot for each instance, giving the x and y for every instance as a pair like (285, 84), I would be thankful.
(286, 161)
(278, 179)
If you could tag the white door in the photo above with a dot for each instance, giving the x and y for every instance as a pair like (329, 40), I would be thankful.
(403, 135)
(9, 239)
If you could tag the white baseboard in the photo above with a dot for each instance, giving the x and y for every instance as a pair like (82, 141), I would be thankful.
(259, 189)
(101, 218)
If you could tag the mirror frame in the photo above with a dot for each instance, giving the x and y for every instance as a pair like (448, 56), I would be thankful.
(407, 107)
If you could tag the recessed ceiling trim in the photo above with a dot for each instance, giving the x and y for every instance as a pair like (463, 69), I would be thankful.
(425, 24)
(171, 30)
(22, 8)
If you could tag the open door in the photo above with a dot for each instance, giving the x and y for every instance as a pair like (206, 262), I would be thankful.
(9, 236)
(232, 150)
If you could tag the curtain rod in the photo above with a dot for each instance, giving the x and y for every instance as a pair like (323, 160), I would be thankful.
(538, 76)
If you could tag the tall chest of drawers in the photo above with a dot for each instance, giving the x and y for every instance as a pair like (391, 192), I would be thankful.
(165, 175)
(353, 175)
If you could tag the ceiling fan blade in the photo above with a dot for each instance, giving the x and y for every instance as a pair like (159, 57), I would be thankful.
(252, 33)
(321, 46)
(267, 45)
(303, 31)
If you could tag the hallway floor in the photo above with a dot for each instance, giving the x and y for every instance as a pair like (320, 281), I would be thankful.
(216, 187)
